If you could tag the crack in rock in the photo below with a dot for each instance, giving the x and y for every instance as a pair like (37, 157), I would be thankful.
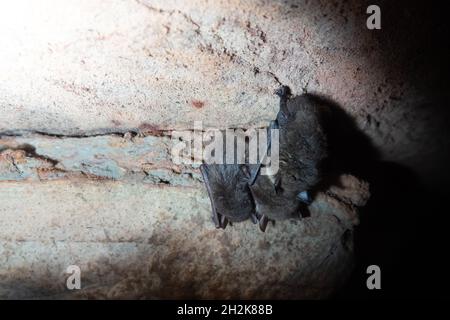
(100, 157)
(219, 47)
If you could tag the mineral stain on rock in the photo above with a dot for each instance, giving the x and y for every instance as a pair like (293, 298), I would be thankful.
(151, 129)
(116, 123)
(198, 104)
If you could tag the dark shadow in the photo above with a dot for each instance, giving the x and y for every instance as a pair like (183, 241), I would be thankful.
(350, 149)
(403, 231)
(403, 226)
(414, 39)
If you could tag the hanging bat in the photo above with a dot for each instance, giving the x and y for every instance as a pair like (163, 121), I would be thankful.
(302, 149)
(228, 185)
(239, 191)
(229, 192)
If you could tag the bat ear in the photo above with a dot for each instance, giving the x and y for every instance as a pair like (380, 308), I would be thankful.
(284, 92)
(277, 185)
(283, 115)
(204, 168)
(245, 170)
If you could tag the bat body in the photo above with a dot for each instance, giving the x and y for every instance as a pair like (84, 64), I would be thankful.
(228, 186)
(229, 192)
(239, 191)
(302, 149)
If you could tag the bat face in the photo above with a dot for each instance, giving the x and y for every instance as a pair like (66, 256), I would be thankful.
(228, 189)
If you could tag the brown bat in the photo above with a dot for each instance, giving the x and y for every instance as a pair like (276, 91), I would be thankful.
(239, 191)
(229, 192)
(302, 149)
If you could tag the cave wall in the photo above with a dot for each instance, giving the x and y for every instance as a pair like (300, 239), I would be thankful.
(78, 76)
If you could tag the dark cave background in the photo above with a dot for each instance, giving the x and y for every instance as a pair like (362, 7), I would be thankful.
(404, 226)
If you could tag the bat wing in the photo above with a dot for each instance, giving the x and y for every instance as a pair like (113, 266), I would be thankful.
(228, 191)
(215, 215)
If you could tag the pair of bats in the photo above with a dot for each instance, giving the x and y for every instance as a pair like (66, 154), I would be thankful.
(239, 191)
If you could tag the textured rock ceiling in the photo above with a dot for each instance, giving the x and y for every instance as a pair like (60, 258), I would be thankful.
(83, 67)
(76, 75)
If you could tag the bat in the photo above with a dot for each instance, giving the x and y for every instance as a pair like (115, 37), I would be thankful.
(228, 188)
(229, 192)
(302, 150)
(239, 191)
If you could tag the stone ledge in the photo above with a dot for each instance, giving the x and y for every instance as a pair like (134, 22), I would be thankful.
(140, 159)
(145, 241)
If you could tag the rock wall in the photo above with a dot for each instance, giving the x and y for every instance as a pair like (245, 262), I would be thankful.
(146, 241)
(90, 90)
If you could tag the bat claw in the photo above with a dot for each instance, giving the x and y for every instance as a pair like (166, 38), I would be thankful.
(263, 221)
(223, 221)
(217, 223)
(220, 221)
(254, 218)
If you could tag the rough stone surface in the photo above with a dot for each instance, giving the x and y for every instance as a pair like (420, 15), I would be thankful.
(79, 80)
(147, 159)
(144, 241)
(84, 67)
(140, 226)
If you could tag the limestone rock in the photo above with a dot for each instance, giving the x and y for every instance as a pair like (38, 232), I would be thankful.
(144, 241)
(87, 67)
